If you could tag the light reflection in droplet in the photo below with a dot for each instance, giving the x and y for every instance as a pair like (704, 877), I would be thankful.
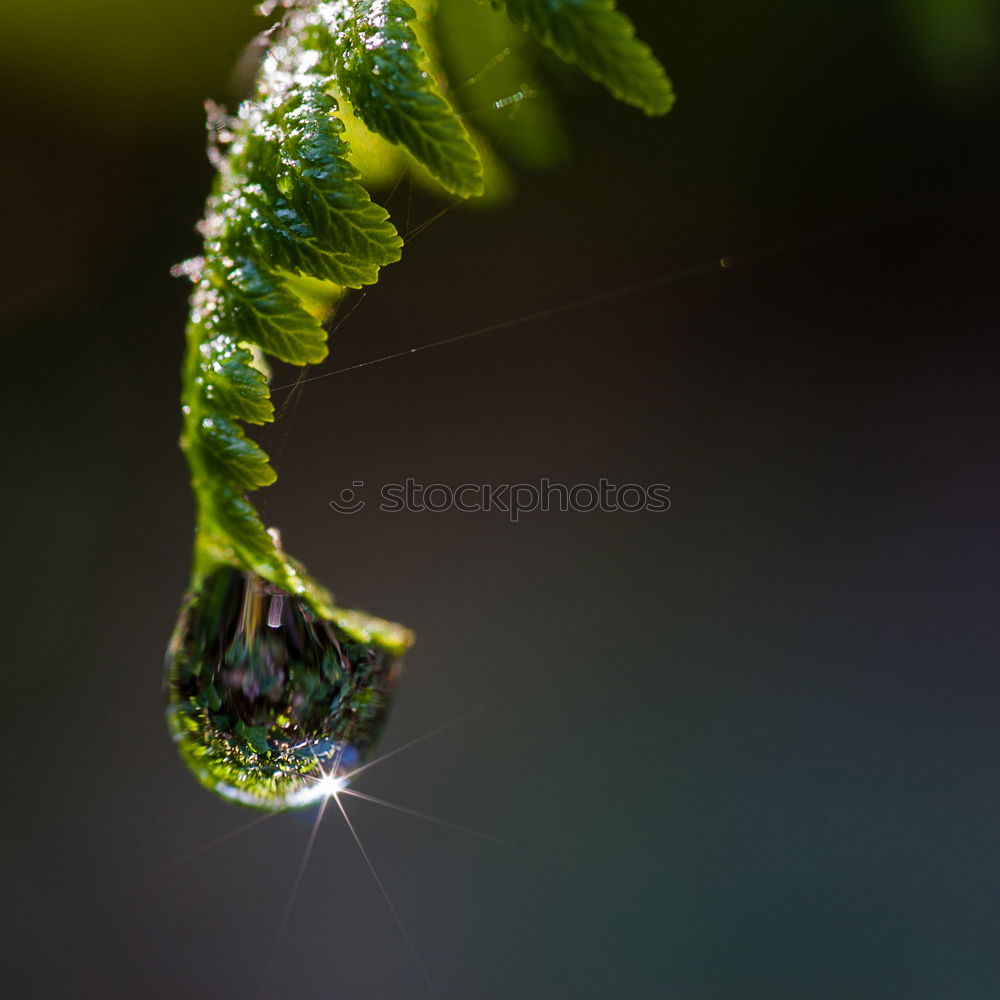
(271, 705)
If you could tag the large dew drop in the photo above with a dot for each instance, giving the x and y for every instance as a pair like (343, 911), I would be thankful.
(270, 705)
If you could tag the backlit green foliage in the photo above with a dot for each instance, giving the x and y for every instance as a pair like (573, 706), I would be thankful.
(601, 41)
(289, 225)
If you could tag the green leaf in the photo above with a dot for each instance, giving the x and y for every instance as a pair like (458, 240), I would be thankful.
(231, 517)
(260, 308)
(210, 698)
(601, 40)
(256, 736)
(233, 456)
(231, 384)
(302, 206)
(381, 71)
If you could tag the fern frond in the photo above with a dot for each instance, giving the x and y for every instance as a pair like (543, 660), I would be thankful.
(272, 690)
(289, 226)
(380, 67)
(299, 203)
(287, 202)
(601, 41)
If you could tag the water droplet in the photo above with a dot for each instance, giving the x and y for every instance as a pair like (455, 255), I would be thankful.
(271, 705)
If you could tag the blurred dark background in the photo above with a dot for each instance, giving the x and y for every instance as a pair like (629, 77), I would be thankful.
(751, 749)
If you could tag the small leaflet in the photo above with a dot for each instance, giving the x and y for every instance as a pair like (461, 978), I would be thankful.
(601, 41)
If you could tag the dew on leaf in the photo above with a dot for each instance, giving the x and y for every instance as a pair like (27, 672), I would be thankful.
(271, 705)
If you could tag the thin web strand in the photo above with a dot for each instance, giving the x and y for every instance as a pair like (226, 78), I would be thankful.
(724, 263)
(507, 324)
(411, 234)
